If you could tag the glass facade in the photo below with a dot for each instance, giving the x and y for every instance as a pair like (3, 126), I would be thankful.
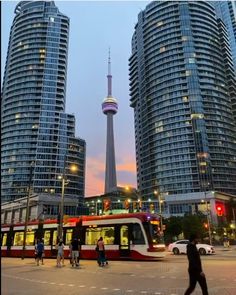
(35, 128)
(181, 79)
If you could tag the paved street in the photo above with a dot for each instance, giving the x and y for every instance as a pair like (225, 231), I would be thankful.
(166, 277)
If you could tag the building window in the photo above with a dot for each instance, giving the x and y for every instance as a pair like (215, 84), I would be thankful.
(191, 60)
(160, 23)
(162, 49)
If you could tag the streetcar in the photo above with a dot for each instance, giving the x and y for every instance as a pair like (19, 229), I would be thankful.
(134, 236)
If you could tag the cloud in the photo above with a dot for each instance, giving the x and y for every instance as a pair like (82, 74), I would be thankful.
(95, 174)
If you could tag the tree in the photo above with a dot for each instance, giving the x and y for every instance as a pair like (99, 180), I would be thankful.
(193, 224)
(173, 228)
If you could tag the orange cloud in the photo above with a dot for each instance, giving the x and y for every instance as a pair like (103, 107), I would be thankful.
(94, 181)
(95, 174)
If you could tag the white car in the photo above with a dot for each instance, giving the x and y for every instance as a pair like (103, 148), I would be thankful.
(180, 247)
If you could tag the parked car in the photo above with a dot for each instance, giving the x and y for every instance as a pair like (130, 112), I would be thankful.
(180, 247)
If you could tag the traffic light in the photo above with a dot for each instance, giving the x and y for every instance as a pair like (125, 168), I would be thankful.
(219, 210)
(126, 204)
(205, 225)
(106, 204)
(151, 207)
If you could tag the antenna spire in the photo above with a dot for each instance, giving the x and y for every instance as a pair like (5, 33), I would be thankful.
(109, 76)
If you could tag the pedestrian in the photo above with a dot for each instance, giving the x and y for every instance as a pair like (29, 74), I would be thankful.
(70, 251)
(195, 267)
(60, 253)
(40, 251)
(101, 252)
(35, 250)
(75, 252)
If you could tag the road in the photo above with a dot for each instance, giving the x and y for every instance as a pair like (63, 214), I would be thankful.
(165, 277)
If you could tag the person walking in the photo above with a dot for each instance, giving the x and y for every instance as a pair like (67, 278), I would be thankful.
(40, 252)
(101, 252)
(75, 252)
(60, 253)
(195, 267)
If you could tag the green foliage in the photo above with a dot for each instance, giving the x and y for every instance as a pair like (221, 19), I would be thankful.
(173, 228)
(188, 224)
(193, 224)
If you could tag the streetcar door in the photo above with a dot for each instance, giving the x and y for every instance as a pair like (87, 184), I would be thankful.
(124, 246)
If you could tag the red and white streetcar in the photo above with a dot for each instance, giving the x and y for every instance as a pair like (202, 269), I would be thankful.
(134, 236)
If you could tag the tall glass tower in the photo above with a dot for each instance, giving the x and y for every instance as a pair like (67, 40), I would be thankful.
(37, 135)
(182, 86)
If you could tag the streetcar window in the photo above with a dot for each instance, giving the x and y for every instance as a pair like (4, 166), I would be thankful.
(93, 234)
(69, 236)
(4, 239)
(29, 238)
(18, 239)
(124, 234)
(137, 235)
(47, 237)
(153, 233)
(54, 239)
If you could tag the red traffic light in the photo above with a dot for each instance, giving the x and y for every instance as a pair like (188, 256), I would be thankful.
(219, 210)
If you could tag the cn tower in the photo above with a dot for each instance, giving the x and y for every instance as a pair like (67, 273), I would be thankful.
(110, 108)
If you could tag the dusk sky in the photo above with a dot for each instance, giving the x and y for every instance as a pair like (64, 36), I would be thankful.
(94, 27)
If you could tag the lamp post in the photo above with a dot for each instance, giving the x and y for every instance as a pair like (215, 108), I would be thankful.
(27, 210)
(160, 209)
(60, 227)
(208, 220)
(73, 168)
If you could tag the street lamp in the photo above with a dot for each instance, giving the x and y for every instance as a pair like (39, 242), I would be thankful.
(72, 168)
(27, 210)
(208, 219)
(160, 201)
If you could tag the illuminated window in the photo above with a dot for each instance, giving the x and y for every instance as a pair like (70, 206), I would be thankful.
(4, 240)
(94, 233)
(184, 38)
(160, 23)
(202, 155)
(30, 238)
(47, 237)
(187, 73)
(162, 49)
(202, 163)
(52, 19)
(68, 236)
(18, 239)
(35, 126)
(124, 236)
(25, 46)
(17, 116)
(197, 116)
(185, 98)
(54, 238)
(42, 50)
(159, 129)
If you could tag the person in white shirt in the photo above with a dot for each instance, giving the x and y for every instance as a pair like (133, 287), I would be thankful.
(60, 254)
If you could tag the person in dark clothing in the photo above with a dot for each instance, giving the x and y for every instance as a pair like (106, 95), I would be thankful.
(75, 248)
(195, 267)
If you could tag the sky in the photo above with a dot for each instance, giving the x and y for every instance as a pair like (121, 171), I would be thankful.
(94, 27)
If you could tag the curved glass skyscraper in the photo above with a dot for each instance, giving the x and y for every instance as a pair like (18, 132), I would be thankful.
(182, 84)
(36, 131)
